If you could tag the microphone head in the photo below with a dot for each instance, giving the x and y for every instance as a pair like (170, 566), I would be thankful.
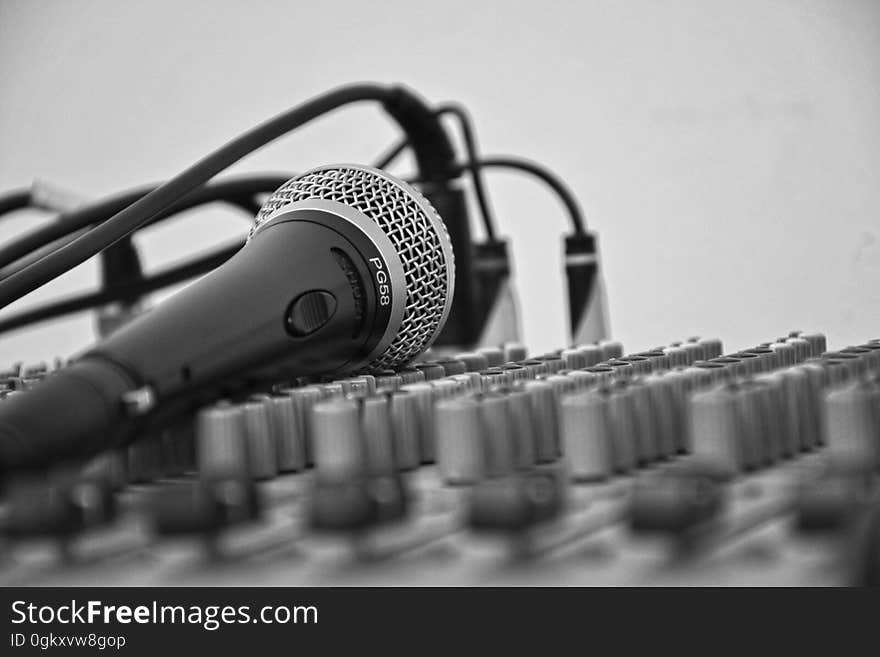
(416, 234)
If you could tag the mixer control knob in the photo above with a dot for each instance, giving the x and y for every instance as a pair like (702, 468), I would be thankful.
(586, 436)
(432, 371)
(494, 355)
(516, 503)
(452, 366)
(405, 423)
(354, 504)
(674, 502)
(474, 361)
(338, 440)
(611, 349)
(260, 438)
(852, 424)
(515, 352)
(204, 506)
(461, 454)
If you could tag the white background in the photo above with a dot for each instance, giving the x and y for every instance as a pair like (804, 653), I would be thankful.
(728, 153)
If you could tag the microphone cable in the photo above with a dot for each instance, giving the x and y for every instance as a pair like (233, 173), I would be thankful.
(434, 154)
(195, 267)
(238, 191)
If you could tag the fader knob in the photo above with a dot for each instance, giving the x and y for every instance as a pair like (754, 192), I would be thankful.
(514, 352)
(423, 394)
(817, 342)
(290, 442)
(674, 502)
(354, 504)
(521, 425)
(204, 506)
(452, 366)
(405, 422)
(678, 356)
(338, 439)
(259, 428)
(712, 347)
(498, 438)
(515, 503)
(473, 361)
(715, 433)
(852, 424)
(574, 359)
(544, 407)
(586, 436)
(494, 355)
(592, 354)
(221, 449)
(304, 399)
(611, 349)
(410, 375)
(802, 348)
(378, 435)
(432, 371)
(459, 433)
(786, 353)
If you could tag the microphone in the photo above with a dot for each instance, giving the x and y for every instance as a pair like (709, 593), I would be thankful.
(346, 269)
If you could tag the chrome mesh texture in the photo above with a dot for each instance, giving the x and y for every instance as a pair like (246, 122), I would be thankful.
(414, 229)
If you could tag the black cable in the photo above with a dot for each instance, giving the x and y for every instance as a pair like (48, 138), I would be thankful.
(473, 156)
(120, 292)
(193, 268)
(400, 104)
(539, 171)
(15, 200)
(233, 190)
(33, 256)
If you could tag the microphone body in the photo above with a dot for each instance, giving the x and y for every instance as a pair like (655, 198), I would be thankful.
(346, 269)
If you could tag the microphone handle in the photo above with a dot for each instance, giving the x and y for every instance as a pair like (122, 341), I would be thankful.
(298, 299)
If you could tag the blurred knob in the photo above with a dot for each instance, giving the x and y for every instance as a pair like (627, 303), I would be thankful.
(405, 422)
(515, 352)
(473, 361)
(378, 435)
(423, 394)
(611, 349)
(290, 442)
(494, 355)
(259, 429)
(337, 439)
(674, 503)
(515, 503)
(545, 428)
(592, 354)
(452, 366)
(459, 431)
(852, 424)
(432, 371)
(587, 436)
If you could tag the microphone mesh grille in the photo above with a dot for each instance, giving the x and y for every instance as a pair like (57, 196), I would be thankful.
(415, 230)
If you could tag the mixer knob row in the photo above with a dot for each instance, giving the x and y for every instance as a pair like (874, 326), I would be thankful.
(749, 423)
(492, 433)
(617, 427)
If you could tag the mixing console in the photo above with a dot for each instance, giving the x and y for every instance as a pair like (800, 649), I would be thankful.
(672, 466)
